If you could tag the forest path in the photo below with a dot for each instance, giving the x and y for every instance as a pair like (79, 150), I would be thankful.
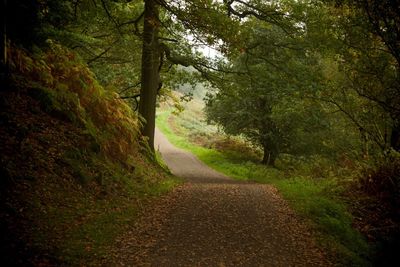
(213, 220)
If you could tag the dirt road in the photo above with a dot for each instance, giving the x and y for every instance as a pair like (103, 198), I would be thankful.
(213, 220)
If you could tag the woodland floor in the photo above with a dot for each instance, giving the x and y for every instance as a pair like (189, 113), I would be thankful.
(213, 220)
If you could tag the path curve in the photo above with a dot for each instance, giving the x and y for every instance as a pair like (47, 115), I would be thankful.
(213, 220)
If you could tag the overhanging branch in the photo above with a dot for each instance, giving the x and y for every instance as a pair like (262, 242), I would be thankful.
(186, 62)
(102, 53)
(135, 22)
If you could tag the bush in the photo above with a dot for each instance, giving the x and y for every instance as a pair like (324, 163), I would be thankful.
(67, 89)
(383, 178)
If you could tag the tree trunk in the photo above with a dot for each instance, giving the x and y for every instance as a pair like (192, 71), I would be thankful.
(150, 73)
(269, 156)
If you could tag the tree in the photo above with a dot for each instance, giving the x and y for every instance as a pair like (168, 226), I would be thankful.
(163, 28)
(150, 76)
(363, 76)
(383, 19)
(209, 23)
(199, 24)
(273, 70)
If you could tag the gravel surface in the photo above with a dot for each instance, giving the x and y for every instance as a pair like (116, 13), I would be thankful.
(213, 220)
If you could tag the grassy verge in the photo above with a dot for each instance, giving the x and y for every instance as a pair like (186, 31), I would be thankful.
(88, 241)
(79, 222)
(317, 201)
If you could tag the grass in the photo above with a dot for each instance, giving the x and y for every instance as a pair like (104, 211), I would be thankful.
(90, 240)
(317, 201)
(82, 224)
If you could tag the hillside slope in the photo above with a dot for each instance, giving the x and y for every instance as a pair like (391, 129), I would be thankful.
(74, 170)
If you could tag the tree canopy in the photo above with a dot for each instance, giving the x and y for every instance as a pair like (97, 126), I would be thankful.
(286, 68)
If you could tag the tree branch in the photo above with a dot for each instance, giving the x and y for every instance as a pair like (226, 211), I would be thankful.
(186, 62)
(135, 97)
(110, 16)
(135, 22)
(102, 53)
(129, 87)
(130, 96)
(352, 119)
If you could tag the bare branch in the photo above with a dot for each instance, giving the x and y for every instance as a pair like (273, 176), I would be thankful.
(168, 39)
(130, 96)
(134, 97)
(102, 53)
(129, 87)
(197, 64)
(352, 119)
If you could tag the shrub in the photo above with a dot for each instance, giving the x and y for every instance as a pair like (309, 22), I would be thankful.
(67, 89)
(383, 178)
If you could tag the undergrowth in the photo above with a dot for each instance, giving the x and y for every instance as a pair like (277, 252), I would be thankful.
(74, 168)
(316, 200)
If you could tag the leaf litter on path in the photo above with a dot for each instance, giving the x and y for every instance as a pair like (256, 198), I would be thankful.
(213, 220)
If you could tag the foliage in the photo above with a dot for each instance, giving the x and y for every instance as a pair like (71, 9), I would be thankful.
(69, 87)
(361, 80)
(263, 98)
(296, 85)
(78, 174)
(383, 178)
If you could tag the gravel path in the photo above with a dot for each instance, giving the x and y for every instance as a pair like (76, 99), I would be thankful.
(213, 220)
